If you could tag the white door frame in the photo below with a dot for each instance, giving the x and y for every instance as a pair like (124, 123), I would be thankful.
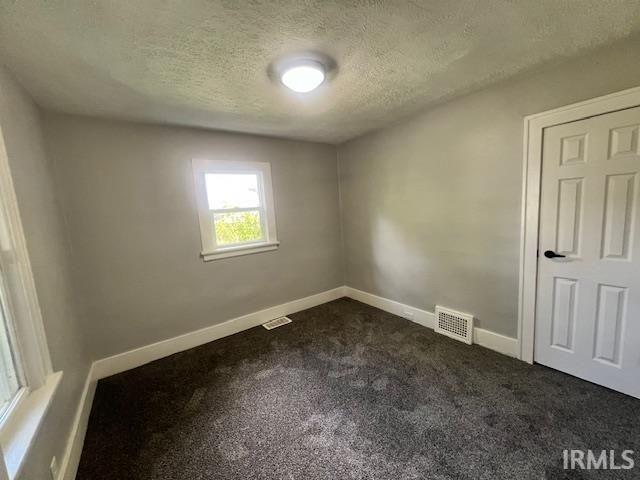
(532, 167)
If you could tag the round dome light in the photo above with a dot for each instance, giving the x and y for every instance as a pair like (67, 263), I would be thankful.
(303, 77)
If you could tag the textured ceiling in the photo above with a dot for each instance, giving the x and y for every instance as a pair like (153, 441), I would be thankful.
(205, 62)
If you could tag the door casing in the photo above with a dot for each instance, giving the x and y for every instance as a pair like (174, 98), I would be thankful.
(531, 174)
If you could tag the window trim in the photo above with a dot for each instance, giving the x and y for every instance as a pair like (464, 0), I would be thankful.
(212, 251)
(21, 421)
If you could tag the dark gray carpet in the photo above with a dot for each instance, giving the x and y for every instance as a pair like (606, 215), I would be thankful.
(347, 391)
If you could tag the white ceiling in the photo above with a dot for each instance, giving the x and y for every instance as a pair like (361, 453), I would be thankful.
(204, 62)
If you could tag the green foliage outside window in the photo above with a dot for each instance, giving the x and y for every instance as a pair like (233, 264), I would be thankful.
(237, 227)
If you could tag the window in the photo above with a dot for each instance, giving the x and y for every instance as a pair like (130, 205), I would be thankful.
(10, 379)
(27, 383)
(235, 208)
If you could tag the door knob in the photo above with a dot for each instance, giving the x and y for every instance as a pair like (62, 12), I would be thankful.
(552, 254)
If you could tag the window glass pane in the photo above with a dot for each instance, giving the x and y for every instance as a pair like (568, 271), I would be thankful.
(232, 190)
(9, 382)
(237, 227)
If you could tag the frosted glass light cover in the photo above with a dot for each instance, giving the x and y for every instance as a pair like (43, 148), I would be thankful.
(303, 78)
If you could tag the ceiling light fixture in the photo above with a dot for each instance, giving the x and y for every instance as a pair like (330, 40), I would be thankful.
(303, 76)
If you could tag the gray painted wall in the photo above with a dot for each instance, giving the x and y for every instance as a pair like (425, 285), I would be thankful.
(430, 209)
(48, 248)
(431, 206)
(128, 194)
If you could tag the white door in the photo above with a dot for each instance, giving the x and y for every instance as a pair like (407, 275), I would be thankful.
(588, 305)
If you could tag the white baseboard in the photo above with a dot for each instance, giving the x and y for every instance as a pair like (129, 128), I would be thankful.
(73, 450)
(140, 356)
(423, 317)
(497, 342)
(485, 338)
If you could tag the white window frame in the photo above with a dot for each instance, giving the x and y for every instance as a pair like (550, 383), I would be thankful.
(212, 251)
(21, 420)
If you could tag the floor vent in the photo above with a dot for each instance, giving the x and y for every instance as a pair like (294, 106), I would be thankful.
(276, 322)
(454, 324)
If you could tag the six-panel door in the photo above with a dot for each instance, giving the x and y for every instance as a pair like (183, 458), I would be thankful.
(588, 306)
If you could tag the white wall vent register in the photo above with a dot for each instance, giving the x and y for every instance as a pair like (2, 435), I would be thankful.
(277, 322)
(456, 325)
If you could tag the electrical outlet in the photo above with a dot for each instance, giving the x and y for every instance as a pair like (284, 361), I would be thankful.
(54, 469)
(407, 314)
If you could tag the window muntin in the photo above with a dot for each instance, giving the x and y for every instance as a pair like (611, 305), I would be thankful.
(235, 207)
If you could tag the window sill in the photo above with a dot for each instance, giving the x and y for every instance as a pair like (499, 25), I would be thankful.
(23, 422)
(239, 250)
